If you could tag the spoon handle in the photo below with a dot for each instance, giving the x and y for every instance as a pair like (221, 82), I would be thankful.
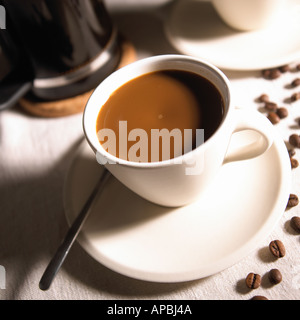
(62, 252)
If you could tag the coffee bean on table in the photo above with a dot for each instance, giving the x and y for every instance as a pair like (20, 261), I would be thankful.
(263, 98)
(271, 106)
(253, 280)
(282, 112)
(271, 74)
(295, 96)
(291, 152)
(277, 248)
(266, 73)
(296, 82)
(284, 68)
(275, 276)
(293, 201)
(274, 74)
(295, 224)
(294, 163)
(259, 298)
(294, 140)
(273, 117)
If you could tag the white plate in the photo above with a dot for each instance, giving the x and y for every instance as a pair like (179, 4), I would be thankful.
(194, 28)
(144, 241)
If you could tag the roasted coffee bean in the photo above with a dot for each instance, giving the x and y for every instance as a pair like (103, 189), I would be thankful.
(296, 82)
(253, 280)
(266, 73)
(295, 223)
(284, 68)
(271, 106)
(294, 163)
(291, 152)
(282, 113)
(263, 98)
(295, 96)
(271, 74)
(273, 117)
(293, 201)
(275, 276)
(298, 67)
(259, 298)
(274, 74)
(294, 140)
(277, 248)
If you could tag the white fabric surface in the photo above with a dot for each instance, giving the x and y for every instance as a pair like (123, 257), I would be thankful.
(35, 154)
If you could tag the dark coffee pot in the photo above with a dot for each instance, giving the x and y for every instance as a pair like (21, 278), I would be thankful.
(56, 49)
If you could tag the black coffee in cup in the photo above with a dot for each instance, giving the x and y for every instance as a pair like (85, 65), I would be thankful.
(161, 104)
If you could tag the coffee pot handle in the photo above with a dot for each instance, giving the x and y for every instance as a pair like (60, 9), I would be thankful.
(12, 91)
(257, 144)
(16, 72)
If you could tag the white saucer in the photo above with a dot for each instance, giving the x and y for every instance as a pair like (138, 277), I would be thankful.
(144, 241)
(194, 28)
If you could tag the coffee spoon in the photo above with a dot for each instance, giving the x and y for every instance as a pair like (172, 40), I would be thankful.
(62, 252)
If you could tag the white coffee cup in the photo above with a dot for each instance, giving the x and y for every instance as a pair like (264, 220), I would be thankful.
(181, 180)
(249, 15)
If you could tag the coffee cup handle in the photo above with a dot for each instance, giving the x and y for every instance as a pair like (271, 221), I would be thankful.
(250, 120)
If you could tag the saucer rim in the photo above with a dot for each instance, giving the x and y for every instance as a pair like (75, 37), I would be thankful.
(183, 46)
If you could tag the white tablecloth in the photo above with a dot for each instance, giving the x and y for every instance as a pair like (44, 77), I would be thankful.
(35, 155)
